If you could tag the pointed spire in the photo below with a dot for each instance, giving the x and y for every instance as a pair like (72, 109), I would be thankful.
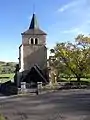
(34, 27)
(34, 23)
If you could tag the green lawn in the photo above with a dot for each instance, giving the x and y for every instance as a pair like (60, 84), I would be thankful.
(2, 117)
(74, 79)
(2, 79)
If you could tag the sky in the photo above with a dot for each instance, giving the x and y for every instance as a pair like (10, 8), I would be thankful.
(62, 20)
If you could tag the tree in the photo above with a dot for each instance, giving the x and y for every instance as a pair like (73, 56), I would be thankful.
(75, 57)
(7, 68)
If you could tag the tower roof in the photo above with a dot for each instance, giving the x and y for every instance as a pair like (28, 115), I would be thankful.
(34, 27)
(34, 23)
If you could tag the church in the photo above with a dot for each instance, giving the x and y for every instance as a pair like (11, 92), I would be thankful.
(32, 55)
(33, 47)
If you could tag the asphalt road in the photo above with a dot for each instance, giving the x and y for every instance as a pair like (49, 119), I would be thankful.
(60, 105)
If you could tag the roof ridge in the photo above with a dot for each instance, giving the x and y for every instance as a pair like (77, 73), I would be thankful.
(34, 32)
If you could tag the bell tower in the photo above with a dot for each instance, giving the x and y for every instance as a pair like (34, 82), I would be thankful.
(33, 48)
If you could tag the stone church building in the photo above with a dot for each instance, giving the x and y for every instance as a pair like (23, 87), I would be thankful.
(32, 56)
(33, 47)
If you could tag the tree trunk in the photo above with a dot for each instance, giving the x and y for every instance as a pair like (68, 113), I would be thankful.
(78, 80)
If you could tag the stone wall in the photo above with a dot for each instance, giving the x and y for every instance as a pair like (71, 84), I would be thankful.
(35, 55)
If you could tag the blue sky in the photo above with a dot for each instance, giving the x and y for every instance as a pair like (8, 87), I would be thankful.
(63, 20)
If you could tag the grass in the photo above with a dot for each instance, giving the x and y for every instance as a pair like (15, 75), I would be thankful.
(73, 79)
(1, 117)
(9, 77)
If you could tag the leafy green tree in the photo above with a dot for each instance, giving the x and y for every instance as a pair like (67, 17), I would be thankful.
(6, 68)
(74, 57)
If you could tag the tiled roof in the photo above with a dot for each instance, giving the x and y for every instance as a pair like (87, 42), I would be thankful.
(33, 32)
(34, 28)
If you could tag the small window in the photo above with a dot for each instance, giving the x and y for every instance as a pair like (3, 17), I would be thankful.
(36, 41)
(31, 40)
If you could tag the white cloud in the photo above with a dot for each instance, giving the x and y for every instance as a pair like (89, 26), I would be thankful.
(74, 5)
(75, 31)
(79, 17)
(74, 20)
(67, 6)
(81, 29)
(72, 30)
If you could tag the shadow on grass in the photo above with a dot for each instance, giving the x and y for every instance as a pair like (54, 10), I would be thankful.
(75, 85)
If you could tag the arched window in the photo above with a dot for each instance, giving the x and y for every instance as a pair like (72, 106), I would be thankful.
(32, 42)
(36, 41)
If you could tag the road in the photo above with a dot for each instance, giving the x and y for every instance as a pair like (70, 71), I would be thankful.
(60, 105)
